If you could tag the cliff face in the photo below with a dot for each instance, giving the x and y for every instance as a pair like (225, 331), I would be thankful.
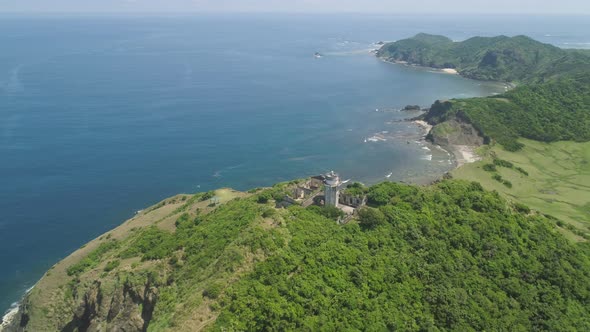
(455, 132)
(148, 272)
(98, 308)
(126, 308)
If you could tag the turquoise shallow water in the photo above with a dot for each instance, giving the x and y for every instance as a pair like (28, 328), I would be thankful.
(102, 116)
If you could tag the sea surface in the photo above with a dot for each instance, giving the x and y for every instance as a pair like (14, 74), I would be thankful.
(101, 116)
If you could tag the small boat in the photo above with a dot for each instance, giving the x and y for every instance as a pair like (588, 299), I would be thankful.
(317, 55)
(365, 140)
(389, 175)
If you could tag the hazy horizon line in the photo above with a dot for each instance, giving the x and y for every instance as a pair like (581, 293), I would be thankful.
(208, 12)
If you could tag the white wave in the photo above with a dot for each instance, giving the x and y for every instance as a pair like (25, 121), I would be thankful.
(9, 316)
(426, 157)
(426, 148)
(376, 138)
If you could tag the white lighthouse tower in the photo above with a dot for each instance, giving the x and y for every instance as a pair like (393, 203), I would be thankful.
(331, 188)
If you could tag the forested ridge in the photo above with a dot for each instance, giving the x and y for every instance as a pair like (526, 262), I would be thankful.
(450, 256)
(553, 111)
(550, 103)
(447, 257)
(501, 58)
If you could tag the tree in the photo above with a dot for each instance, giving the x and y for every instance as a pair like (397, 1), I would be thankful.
(371, 217)
(264, 197)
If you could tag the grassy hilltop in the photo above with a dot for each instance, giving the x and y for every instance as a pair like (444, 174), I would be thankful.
(509, 252)
(550, 177)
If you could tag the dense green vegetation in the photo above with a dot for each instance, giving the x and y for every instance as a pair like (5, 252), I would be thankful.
(451, 256)
(548, 112)
(447, 257)
(553, 105)
(501, 58)
(93, 259)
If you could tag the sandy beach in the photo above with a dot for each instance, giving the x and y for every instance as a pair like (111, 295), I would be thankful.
(450, 71)
(464, 154)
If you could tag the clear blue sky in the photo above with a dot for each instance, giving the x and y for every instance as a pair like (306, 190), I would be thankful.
(388, 6)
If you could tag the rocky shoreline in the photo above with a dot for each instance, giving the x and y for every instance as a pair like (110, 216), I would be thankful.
(9, 321)
(461, 153)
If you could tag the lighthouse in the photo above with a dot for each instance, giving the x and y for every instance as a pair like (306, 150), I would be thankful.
(331, 188)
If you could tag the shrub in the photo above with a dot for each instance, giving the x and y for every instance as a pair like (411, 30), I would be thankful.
(522, 208)
(330, 212)
(522, 171)
(264, 197)
(213, 290)
(269, 213)
(371, 217)
(92, 259)
(497, 177)
(489, 167)
(207, 195)
(183, 218)
(153, 243)
(112, 265)
(503, 163)
(356, 188)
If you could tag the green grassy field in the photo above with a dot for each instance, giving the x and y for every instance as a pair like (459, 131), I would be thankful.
(558, 183)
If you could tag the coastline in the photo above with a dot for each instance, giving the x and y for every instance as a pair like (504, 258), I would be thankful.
(461, 154)
(449, 71)
(9, 317)
(8, 320)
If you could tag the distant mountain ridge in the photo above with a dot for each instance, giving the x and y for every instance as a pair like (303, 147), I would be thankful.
(509, 59)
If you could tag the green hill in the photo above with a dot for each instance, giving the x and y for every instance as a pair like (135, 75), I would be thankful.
(451, 256)
(553, 111)
(510, 59)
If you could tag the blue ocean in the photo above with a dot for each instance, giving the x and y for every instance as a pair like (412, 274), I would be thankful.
(101, 116)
